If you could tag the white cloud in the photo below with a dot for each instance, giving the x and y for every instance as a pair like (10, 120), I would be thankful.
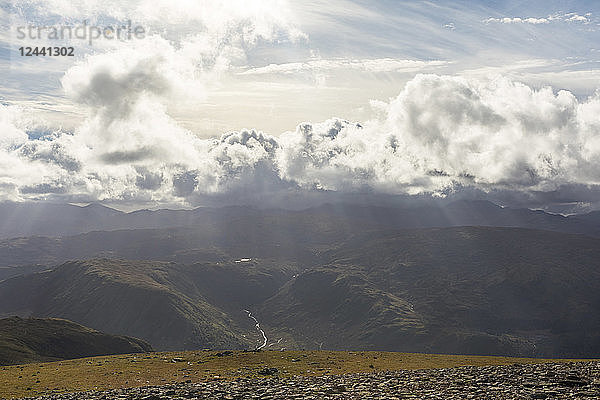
(11, 135)
(262, 18)
(446, 131)
(128, 147)
(189, 47)
(573, 17)
(439, 134)
(569, 17)
(334, 65)
(517, 20)
(251, 64)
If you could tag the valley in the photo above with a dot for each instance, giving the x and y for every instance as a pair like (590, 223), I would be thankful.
(318, 280)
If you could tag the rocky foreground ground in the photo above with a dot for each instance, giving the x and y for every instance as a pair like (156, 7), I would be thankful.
(580, 380)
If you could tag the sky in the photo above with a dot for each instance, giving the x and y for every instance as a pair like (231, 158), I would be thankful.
(234, 100)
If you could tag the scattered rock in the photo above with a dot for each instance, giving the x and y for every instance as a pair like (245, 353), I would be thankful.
(539, 396)
(578, 380)
(151, 397)
(573, 382)
(268, 371)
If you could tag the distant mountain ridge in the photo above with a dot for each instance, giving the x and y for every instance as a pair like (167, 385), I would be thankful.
(40, 219)
(187, 236)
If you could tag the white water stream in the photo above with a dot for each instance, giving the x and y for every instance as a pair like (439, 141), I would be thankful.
(259, 329)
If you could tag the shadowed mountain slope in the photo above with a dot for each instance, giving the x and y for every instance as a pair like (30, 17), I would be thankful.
(41, 340)
(476, 290)
(171, 306)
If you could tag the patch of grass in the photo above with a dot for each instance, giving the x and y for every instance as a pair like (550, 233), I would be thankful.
(143, 369)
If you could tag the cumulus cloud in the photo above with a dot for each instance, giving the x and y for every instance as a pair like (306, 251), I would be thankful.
(496, 133)
(439, 136)
(442, 133)
(129, 148)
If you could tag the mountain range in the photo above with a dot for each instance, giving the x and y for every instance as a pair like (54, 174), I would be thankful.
(333, 277)
(48, 219)
(186, 236)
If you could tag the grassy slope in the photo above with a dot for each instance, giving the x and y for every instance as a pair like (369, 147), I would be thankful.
(35, 340)
(108, 372)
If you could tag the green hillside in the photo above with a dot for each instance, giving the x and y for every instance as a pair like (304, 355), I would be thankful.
(37, 340)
